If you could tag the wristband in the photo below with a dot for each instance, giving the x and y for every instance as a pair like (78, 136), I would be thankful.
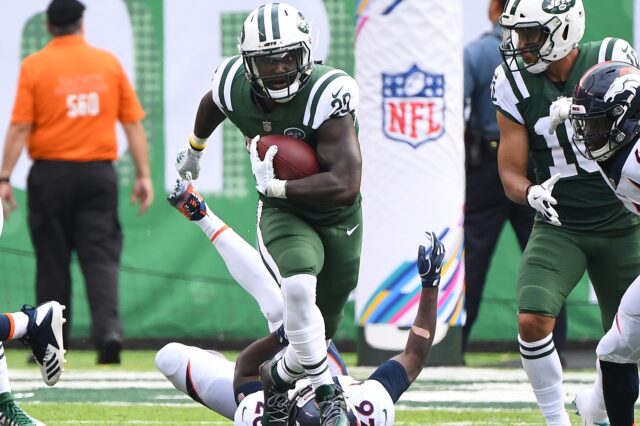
(526, 191)
(4, 179)
(277, 188)
(197, 143)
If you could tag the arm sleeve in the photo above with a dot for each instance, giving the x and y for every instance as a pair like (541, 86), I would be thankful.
(130, 108)
(393, 377)
(623, 52)
(503, 97)
(23, 107)
(339, 98)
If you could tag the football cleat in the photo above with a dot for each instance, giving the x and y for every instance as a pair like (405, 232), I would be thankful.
(187, 201)
(276, 402)
(12, 415)
(333, 407)
(589, 415)
(44, 336)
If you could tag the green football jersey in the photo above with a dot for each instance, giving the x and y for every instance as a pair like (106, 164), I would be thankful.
(329, 93)
(584, 199)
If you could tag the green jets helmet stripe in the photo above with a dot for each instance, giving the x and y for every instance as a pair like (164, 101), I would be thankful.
(605, 50)
(275, 25)
(514, 7)
(261, 30)
(315, 94)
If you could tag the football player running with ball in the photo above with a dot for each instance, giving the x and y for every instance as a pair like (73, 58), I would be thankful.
(580, 224)
(309, 229)
(605, 116)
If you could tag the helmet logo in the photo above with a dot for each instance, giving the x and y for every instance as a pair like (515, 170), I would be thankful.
(625, 83)
(302, 23)
(557, 7)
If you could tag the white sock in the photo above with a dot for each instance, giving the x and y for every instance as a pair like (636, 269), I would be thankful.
(210, 376)
(289, 367)
(246, 267)
(542, 365)
(304, 326)
(4, 372)
(211, 225)
(597, 397)
(20, 322)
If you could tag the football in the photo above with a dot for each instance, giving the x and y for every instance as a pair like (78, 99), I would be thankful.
(294, 160)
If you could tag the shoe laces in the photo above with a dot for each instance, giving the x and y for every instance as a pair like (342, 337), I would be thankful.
(13, 413)
(332, 408)
(278, 407)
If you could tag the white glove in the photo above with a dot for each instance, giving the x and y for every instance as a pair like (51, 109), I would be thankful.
(188, 162)
(539, 197)
(558, 112)
(266, 182)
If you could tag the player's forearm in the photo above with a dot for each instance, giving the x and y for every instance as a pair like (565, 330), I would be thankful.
(17, 136)
(515, 185)
(421, 334)
(326, 189)
(138, 147)
(249, 361)
(208, 117)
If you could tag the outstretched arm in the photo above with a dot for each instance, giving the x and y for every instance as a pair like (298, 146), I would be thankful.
(250, 359)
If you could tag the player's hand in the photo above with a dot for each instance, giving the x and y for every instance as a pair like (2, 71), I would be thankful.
(559, 112)
(266, 182)
(188, 162)
(430, 259)
(7, 199)
(540, 198)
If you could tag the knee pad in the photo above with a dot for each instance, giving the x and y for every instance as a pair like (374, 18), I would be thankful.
(169, 359)
(299, 290)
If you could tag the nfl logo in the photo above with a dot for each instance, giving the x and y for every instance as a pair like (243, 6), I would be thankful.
(413, 103)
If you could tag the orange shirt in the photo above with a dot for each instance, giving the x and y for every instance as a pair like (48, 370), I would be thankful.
(73, 94)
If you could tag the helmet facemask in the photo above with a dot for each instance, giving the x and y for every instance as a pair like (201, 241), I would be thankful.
(596, 135)
(278, 74)
(526, 45)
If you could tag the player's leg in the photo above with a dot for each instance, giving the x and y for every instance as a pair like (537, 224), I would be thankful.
(615, 265)
(292, 250)
(205, 376)
(551, 266)
(41, 329)
(242, 260)
(10, 413)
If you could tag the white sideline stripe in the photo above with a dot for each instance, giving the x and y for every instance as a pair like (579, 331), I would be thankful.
(443, 387)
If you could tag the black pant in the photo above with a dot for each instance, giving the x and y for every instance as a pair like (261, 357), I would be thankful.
(74, 206)
(486, 211)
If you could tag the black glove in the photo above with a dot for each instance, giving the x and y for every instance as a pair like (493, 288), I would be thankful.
(430, 261)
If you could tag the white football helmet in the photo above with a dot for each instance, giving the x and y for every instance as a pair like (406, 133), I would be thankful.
(275, 44)
(539, 32)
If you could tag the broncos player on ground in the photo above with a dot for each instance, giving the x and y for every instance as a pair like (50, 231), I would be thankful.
(588, 228)
(208, 377)
(605, 114)
(309, 229)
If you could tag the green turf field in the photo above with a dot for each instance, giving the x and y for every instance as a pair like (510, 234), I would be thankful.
(135, 393)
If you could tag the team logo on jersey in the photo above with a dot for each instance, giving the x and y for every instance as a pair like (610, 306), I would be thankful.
(294, 132)
(267, 126)
(557, 6)
(413, 104)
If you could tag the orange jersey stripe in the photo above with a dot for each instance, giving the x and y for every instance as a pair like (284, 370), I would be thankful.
(12, 325)
(218, 232)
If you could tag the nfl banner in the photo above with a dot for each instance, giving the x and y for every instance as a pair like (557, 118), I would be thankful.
(409, 68)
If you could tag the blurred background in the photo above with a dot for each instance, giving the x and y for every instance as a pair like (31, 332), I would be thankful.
(174, 286)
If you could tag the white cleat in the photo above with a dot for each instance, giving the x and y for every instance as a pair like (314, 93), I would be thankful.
(44, 336)
(589, 414)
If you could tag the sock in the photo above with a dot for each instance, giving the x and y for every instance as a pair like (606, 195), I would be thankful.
(13, 325)
(304, 326)
(597, 397)
(246, 267)
(620, 385)
(4, 372)
(288, 367)
(542, 365)
(204, 376)
(211, 225)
